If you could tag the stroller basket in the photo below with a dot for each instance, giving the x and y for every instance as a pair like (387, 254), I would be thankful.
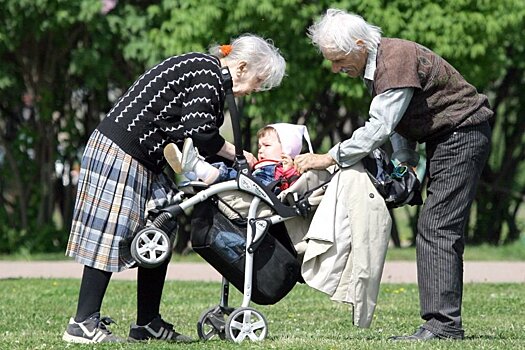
(222, 244)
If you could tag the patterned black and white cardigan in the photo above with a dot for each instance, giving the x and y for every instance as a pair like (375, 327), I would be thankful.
(181, 97)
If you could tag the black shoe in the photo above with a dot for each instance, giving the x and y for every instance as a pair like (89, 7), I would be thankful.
(420, 334)
(156, 329)
(92, 330)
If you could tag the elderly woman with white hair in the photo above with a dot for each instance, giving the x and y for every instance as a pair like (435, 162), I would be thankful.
(418, 97)
(121, 174)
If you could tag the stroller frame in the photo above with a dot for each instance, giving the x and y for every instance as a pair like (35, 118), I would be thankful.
(152, 246)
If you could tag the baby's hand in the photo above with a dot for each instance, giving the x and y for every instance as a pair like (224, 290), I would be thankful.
(250, 159)
(287, 161)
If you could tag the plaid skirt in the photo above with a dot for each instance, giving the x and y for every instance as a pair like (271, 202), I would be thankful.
(114, 194)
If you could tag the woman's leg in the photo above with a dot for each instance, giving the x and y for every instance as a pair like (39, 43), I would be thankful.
(87, 326)
(150, 283)
(92, 290)
(149, 323)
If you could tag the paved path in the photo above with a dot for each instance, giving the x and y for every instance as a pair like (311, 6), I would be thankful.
(394, 272)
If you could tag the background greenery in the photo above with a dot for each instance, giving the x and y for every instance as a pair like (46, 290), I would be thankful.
(64, 63)
(35, 312)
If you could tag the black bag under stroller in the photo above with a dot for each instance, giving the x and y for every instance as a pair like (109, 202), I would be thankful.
(222, 243)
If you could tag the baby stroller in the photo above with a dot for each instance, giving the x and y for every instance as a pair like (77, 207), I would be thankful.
(253, 252)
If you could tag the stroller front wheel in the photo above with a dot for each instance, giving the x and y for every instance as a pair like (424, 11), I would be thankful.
(150, 247)
(246, 322)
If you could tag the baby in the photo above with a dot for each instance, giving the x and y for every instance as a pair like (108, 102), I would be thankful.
(278, 144)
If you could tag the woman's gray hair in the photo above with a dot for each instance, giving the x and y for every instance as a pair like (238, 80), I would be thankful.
(260, 55)
(338, 30)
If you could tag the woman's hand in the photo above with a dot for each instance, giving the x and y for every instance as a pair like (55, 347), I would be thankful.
(305, 162)
(228, 151)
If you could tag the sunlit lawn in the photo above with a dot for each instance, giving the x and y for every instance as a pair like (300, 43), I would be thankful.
(34, 313)
(511, 252)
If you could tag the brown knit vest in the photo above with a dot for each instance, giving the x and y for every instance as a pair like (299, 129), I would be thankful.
(443, 100)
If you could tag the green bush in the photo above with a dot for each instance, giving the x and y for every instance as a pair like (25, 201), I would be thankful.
(36, 240)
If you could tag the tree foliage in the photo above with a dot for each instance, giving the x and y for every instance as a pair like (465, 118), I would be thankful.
(70, 62)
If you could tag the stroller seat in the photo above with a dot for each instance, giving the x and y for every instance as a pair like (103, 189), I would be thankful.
(307, 192)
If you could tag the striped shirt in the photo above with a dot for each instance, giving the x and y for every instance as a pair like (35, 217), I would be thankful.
(181, 97)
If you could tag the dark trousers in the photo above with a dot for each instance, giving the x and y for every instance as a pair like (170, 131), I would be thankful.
(454, 165)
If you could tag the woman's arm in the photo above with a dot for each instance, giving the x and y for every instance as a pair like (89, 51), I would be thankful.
(228, 151)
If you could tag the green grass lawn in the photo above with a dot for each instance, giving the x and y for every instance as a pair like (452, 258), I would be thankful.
(510, 252)
(34, 313)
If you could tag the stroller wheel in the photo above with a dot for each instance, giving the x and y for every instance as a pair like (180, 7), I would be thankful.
(150, 247)
(211, 323)
(246, 322)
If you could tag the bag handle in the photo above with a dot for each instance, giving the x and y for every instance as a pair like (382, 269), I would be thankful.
(240, 160)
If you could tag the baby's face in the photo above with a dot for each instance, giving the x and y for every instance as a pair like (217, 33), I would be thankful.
(270, 147)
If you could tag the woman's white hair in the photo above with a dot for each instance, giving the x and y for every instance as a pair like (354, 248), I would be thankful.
(260, 55)
(338, 30)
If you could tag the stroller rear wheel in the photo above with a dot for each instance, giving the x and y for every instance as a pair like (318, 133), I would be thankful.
(150, 247)
(211, 323)
(246, 322)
